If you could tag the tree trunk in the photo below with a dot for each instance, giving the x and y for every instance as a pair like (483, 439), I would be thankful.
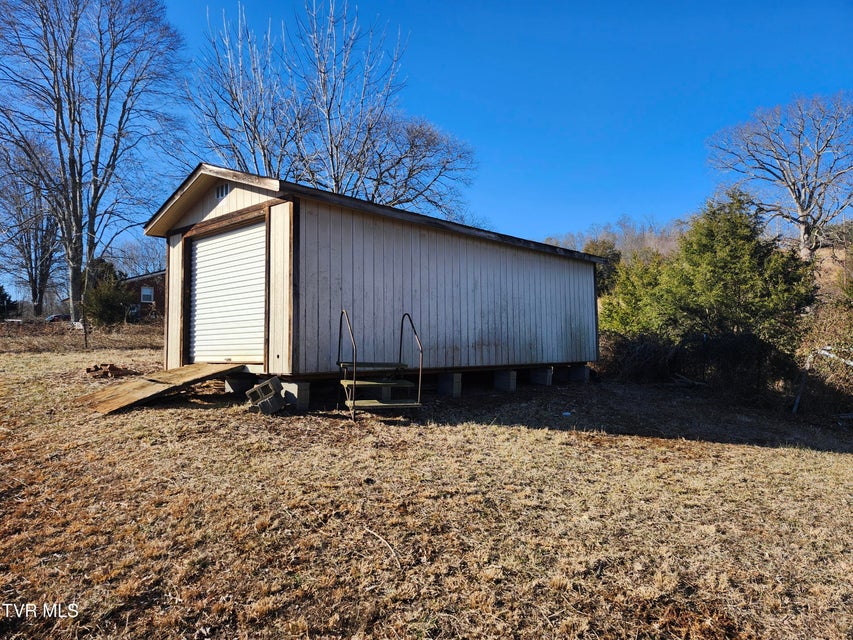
(74, 261)
(44, 272)
(37, 298)
(75, 293)
(807, 249)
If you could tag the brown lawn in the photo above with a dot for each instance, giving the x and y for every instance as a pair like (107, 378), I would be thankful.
(648, 512)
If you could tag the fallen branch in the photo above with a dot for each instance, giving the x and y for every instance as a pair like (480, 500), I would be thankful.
(545, 615)
(387, 544)
(828, 353)
(680, 379)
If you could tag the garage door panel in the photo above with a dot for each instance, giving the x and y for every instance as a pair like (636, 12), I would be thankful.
(244, 319)
(223, 269)
(213, 293)
(227, 296)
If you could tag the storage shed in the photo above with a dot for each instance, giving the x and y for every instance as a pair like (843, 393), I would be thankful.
(258, 271)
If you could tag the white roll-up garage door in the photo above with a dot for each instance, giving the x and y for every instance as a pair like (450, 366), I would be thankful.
(227, 296)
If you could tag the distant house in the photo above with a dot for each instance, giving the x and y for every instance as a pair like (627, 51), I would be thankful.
(149, 295)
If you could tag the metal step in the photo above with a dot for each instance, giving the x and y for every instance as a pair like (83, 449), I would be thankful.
(377, 384)
(388, 366)
(382, 404)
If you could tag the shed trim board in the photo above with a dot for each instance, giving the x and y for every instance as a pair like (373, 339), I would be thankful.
(266, 346)
(295, 293)
(479, 299)
(231, 220)
(279, 285)
(166, 310)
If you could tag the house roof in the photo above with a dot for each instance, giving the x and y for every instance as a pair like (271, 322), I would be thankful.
(145, 276)
(206, 176)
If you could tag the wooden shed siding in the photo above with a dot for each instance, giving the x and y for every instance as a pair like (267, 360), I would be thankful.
(239, 197)
(475, 302)
(280, 290)
(174, 302)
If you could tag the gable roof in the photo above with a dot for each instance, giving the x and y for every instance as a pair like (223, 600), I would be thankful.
(205, 176)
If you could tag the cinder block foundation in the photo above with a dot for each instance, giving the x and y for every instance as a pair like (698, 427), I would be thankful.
(578, 373)
(561, 375)
(505, 380)
(543, 376)
(450, 384)
(240, 382)
(297, 393)
(267, 396)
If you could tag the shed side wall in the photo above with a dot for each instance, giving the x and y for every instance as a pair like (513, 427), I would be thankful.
(475, 303)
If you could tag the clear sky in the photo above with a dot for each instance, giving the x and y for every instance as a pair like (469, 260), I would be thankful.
(582, 112)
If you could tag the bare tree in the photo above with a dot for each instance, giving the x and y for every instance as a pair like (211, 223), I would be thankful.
(243, 105)
(631, 238)
(318, 106)
(347, 83)
(91, 78)
(802, 154)
(138, 256)
(412, 164)
(29, 233)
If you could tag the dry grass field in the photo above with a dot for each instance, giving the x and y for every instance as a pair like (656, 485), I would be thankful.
(647, 512)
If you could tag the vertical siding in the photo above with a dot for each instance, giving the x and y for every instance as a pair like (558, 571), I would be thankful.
(475, 302)
(354, 292)
(239, 197)
(280, 290)
(174, 302)
(324, 266)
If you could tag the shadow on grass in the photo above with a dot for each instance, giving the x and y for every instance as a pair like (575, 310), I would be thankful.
(647, 410)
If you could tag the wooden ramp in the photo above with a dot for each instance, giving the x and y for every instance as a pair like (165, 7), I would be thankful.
(123, 395)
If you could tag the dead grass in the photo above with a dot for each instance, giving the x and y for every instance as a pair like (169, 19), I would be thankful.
(41, 337)
(645, 513)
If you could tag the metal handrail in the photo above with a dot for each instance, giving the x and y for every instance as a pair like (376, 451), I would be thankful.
(420, 349)
(345, 366)
(345, 315)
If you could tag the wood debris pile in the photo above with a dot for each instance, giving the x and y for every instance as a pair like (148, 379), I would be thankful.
(108, 371)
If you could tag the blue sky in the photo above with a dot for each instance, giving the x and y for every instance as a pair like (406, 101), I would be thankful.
(581, 113)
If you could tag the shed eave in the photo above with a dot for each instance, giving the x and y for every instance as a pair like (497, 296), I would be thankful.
(202, 178)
